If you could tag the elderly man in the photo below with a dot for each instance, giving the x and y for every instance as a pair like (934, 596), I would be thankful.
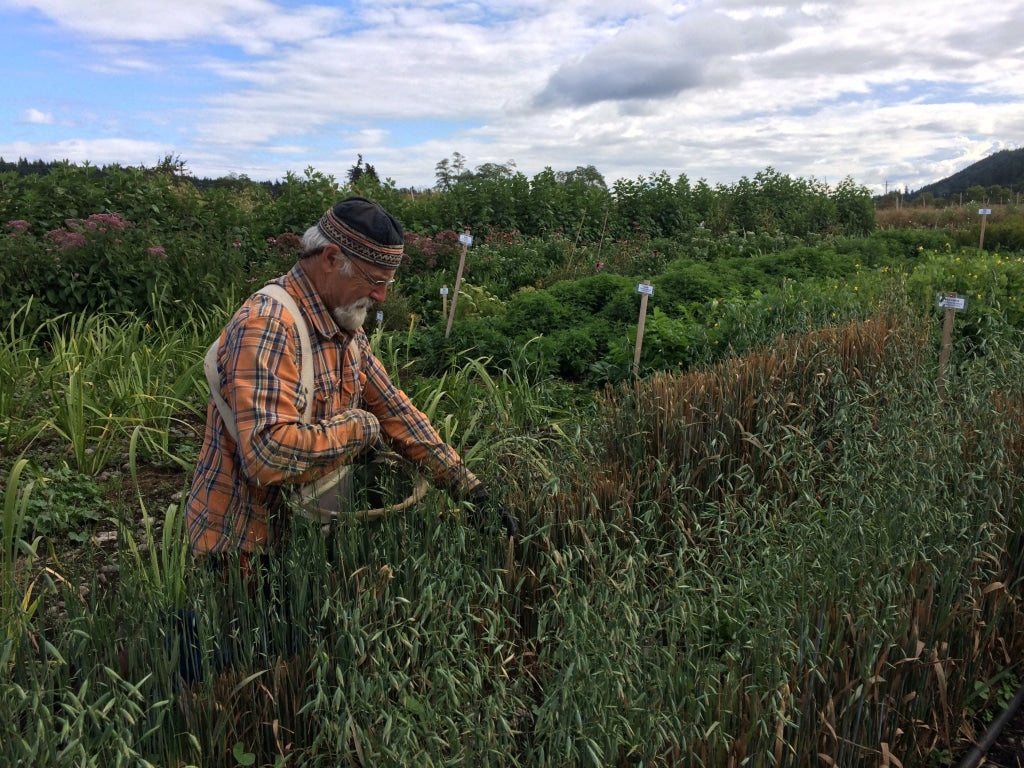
(237, 501)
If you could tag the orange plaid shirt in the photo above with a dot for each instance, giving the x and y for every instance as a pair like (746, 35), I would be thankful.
(237, 487)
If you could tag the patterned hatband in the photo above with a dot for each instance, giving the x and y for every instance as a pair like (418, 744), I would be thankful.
(353, 243)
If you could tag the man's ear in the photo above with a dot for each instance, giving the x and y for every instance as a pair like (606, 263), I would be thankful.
(328, 260)
(331, 254)
(322, 263)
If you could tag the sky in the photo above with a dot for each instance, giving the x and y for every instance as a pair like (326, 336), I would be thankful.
(894, 94)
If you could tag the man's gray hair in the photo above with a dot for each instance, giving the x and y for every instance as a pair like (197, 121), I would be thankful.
(314, 240)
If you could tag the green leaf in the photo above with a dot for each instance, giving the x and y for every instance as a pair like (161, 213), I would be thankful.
(413, 704)
(243, 757)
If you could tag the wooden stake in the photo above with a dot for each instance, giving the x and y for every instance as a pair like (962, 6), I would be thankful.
(645, 290)
(465, 239)
(947, 342)
(984, 217)
(444, 301)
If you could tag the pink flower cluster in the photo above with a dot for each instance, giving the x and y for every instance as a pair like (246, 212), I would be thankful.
(17, 226)
(100, 222)
(286, 244)
(422, 243)
(504, 237)
(72, 234)
(65, 240)
(423, 252)
(157, 252)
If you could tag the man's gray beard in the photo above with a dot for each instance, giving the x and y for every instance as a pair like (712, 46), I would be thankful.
(352, 316)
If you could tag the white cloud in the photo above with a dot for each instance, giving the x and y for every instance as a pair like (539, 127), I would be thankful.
(880, 91)
(37, 117)
(253, 25)
(93, 151)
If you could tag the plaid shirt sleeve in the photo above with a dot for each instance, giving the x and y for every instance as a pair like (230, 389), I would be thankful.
(407, 429)
(266, 393)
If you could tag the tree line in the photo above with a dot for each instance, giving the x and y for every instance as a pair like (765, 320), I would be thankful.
(492, 197)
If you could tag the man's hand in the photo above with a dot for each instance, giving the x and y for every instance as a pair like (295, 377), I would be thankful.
(482, 513)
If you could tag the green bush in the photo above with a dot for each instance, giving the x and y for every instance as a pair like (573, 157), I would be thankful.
(806, 262)
(99, 261)
(909, 243)
(873, 251)
(299, 204)
(574, 351)
(1005, 235)
(993, 285)
(470, 338)
(603, 295)
(669, 342)
(686, 280)
(105, 262)
(531, 313)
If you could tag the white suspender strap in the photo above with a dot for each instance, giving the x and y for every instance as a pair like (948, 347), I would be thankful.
(277, 292)
(213, 379)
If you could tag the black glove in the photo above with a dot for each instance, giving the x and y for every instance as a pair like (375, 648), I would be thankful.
(481, 512)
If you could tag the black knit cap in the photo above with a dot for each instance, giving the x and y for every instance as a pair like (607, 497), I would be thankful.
(361, 228)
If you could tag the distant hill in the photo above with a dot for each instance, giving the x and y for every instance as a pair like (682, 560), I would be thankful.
(1003, 169)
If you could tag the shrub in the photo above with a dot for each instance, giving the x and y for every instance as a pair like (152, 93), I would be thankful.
(574, 350)
(668, 342)
(1005, 235)
(602, 295)
(530, 313)
(472, 337)
(992, 284)
(686, 280)
(908, 243)
(428, 253)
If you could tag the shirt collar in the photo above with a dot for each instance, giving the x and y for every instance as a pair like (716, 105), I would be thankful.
(297, 283)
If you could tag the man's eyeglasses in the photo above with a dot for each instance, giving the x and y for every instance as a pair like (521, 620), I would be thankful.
(371, 280)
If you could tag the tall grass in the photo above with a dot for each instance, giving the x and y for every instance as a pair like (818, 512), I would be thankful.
(92, 379)
(799, 557)
(880, 522)
(17, 604)
(20, 381)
